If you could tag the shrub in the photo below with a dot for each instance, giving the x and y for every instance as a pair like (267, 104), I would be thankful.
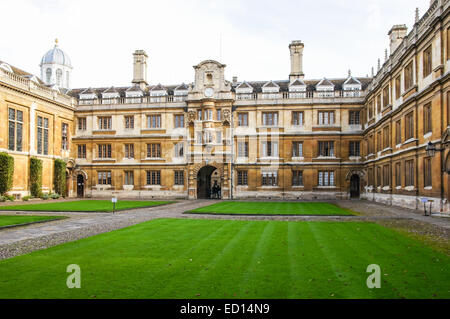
(35, 177)
(54, 196)
(26, 198)
(9, 197)
(6, 172)
(59, 178)
(2, 198)
(45, 196)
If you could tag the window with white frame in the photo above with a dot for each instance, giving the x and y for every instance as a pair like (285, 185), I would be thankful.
(129, 121)
(104, 178)
(104, 122)
(154, 121)
(270, 149)
(297, 118)
(297, 178)
(179, 178)
(326, 178)
(129, 151)
(179, 149)
(270, 118)
(297, 149)
(269, 178)
(326, 149)
(179, 120)
(326, 117)
(242, 149)
(129, 178)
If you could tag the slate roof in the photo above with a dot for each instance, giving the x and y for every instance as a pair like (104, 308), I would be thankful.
(110, 90)
(325, 82)
(298, 82)
(256, 85)
(352, 80)
(158, 87)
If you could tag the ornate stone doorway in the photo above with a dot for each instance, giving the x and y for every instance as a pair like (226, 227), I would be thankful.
(204, 178)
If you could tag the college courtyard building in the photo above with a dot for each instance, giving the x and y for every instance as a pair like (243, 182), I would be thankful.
(381, 138)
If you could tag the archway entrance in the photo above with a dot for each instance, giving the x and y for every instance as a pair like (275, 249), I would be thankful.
(80, 185)
(204, 177)
(354, 186)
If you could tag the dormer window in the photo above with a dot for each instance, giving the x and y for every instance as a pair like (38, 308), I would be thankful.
(325, 88)
(109, 96)
(244, 91)
(352, 87)
(157, 92)
(87, 97)
(270, 90)
(297, 89)
(180, 93)
(134, 95)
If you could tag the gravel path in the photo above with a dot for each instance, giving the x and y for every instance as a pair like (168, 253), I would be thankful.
(22, 240)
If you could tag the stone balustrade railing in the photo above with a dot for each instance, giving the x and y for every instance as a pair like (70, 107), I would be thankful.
(239, 96)
(435, 10)
(35, 88)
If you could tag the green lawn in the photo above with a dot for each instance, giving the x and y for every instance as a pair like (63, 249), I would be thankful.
(272, 208)
(8, 220)
(84, 206)
(186, 258)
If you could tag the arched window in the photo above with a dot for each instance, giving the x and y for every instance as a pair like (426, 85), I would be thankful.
(67, 79)
(58, 77)
(48, 75)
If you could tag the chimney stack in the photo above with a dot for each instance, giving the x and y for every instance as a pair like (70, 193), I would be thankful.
(235, 79)
(396, 36)
(140, 68)
(296, 49)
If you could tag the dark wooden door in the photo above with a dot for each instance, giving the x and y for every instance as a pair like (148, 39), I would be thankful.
(354, 186)
(80, 186)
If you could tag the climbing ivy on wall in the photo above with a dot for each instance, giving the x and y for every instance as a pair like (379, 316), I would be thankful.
(59, 181)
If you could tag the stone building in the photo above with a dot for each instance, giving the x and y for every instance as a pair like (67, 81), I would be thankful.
(382, 138)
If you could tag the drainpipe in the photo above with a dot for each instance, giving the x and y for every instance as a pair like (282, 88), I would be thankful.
(232, 153)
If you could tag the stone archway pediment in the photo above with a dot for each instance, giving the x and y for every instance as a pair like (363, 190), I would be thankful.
(358, 172)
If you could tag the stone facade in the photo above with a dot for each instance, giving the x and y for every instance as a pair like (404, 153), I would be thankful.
(295, 139)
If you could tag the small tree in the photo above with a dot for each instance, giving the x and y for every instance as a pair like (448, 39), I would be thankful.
(6, 172)
(59, 181)
(35, 177)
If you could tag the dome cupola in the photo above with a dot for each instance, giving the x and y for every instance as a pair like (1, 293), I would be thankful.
(56, 67)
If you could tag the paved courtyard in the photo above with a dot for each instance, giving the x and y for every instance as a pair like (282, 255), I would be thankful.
(25, 239)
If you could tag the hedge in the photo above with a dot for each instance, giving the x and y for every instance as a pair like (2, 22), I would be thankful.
(35, 177)
(6, 172)
(59, 181)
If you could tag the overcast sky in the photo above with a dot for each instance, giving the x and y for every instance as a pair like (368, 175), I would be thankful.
(250, 37)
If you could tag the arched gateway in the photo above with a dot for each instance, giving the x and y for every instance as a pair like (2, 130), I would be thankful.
(206, 177)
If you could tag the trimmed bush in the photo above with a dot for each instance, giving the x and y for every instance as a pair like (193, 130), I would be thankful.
(45, 196)
(59, 178)
(54, 196)
(6, 172)
(10, 197)
(35, 177)
(26, 198)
